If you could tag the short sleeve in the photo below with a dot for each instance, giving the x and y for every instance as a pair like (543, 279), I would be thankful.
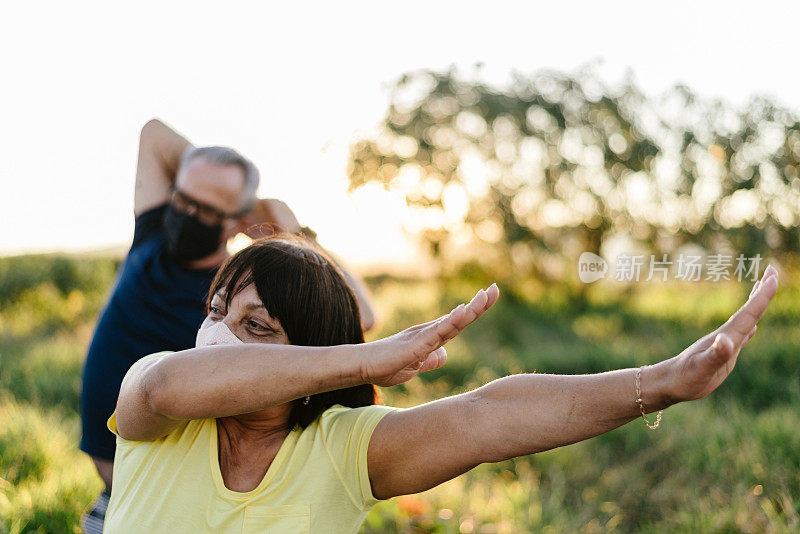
(111, 423)
(122, 443)
(346, 434)
(148, 224)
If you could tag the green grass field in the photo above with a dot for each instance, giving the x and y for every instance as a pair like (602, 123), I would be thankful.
(728, 463)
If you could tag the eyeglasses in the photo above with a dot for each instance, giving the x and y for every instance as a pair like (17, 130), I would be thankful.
(206, 214)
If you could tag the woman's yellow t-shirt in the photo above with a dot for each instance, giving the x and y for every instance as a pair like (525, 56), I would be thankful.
(318, 481)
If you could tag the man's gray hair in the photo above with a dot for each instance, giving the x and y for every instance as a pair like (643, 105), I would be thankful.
(222, 155)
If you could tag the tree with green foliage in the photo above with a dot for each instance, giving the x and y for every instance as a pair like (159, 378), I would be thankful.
(522, 179)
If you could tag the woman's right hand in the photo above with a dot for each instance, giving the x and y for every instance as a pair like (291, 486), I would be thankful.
(398, 358)
(702, 367)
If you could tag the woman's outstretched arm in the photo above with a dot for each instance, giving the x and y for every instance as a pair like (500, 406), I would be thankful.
(161, 391)
(416, 449)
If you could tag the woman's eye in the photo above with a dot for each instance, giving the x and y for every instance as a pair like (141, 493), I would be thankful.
(257, 326)
(214, 310)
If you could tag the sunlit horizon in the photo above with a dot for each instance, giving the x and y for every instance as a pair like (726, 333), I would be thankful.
(292, 91)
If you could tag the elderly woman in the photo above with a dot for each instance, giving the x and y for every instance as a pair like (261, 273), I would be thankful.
(271, 422)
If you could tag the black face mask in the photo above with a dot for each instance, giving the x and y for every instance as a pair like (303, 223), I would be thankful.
(187, 238)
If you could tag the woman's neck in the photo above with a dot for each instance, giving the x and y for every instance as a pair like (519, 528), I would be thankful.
(256, 428)
(246, 447)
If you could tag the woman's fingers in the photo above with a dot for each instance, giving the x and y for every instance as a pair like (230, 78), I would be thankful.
(438, 332)
(755, 288)
(751, 334)
(708, 361)
(435, 360)
(464, 314)
(481, 302)
(705, 342)
(455, 313)
(742, 322)
(422, 344)
(493, 293)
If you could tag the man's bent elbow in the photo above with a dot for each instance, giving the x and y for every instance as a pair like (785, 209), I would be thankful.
(150, 129)
(368, 320)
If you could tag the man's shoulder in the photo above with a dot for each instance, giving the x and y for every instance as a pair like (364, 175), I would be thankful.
(148, 224)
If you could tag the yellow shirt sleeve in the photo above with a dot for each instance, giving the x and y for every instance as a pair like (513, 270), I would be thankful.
(346, 433)
(111, 424)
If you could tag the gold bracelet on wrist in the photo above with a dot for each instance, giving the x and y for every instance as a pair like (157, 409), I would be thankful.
(641, 403)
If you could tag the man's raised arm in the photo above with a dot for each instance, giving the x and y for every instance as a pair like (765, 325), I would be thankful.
(271, 216)
(160, 152)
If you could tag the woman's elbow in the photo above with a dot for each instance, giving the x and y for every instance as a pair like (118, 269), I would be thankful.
(154, 391)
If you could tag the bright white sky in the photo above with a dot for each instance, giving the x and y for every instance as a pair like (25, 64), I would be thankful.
(290, 84)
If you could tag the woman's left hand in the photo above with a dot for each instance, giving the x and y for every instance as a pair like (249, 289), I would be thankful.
(703, 366)
(398, 358)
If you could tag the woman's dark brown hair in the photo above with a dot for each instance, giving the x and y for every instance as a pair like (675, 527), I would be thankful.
(303, 289)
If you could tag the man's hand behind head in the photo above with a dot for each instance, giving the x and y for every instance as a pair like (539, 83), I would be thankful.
(270, 216)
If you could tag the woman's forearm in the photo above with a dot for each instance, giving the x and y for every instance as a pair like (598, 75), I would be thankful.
(224, 380)
(528, 413)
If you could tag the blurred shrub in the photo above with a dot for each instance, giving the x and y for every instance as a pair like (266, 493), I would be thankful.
(46, 370)
(45, 482)
(43, 293)
(66, 274)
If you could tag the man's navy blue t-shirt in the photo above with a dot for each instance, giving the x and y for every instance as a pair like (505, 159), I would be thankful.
(155, 305)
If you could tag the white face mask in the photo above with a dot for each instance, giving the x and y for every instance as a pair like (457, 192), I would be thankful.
(216, 334)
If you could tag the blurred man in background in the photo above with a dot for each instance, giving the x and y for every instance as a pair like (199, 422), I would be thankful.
(188, 202)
